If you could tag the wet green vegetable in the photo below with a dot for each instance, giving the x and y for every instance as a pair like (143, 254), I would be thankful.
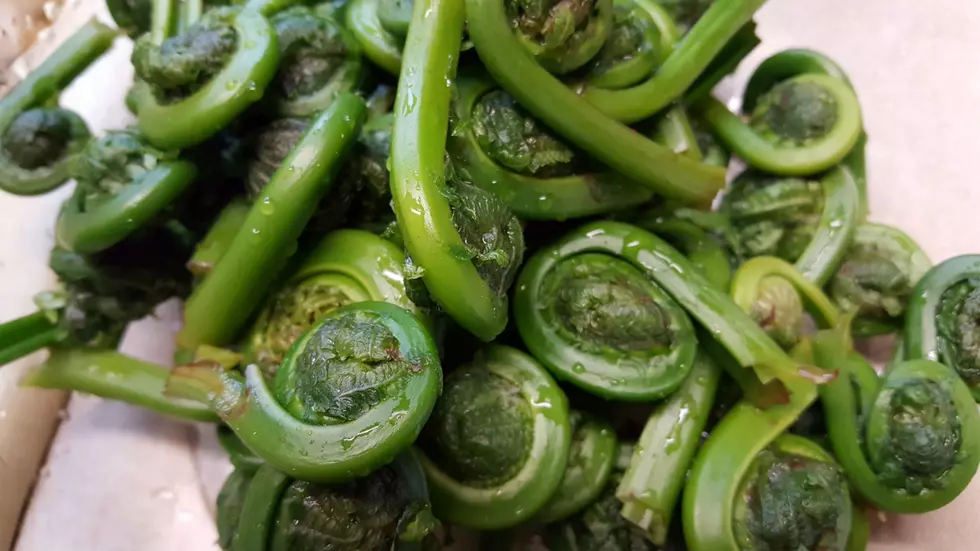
(222, 304)
(909, 441)
(645, 255)
(803, 117)
(679, 67)
(198, 80)
(806, 221)
(651, 487)
(600, 322)
(122, 185)
(591, 459)
(943, 313)
(465, 240)
(318, 59)
(876, 278)
(346, 267)
(351, 393)
(386, 510)
(38, 139)
(349, 195)
(585, 126)
(382, 43)
(499, 147)
(498, 442)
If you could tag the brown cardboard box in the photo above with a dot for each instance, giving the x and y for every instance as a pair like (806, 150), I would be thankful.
(117, 478)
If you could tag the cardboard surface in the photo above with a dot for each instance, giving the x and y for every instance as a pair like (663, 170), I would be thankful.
(119, 478)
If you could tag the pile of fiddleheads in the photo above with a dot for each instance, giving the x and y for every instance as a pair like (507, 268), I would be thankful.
(401, 337)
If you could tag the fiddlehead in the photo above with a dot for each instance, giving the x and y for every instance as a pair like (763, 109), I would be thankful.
(775, 294)
(224, 301)
(498, 442)
(381, 37)
(597, 321)
(465, 240)
(908, 441)
(803, 117)
(550, 101)
(591, 459)
(741, 487)
(876, 277)
(199, 80)
(123, 184)
(943, 317)
(495, 144)
(644, 262)
(386, 510)
(794, 497)
(789, 63)
(678, 67)
(38, 139)
(651, 486)
(634, 48)
(806, 221)
(562, 36)
(318, 60)
(100, 295)
(351, 393)
(347, 266)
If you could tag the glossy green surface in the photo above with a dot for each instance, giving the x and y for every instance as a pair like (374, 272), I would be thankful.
(876, 278)
(761, 150)
(918, 399)
(380, 45)
(320, 59)
(513, 501)
(704, 302)
(240, 83)
(339, 450)
(219, 238)
(561, 36)
(794, 496)
(93, 221)
(19, 337)
(41, 86)
(597, 321)
(386, 510)
(795, 61)
(652, 485)
(591, 459)
(346, 266)
(681, 68)
(418, 181)
(222, 304)
(715, 481)
(751, 277)
(837, 225)
(939, 325)
(531, 197)
(112, 375)
(548, 99)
